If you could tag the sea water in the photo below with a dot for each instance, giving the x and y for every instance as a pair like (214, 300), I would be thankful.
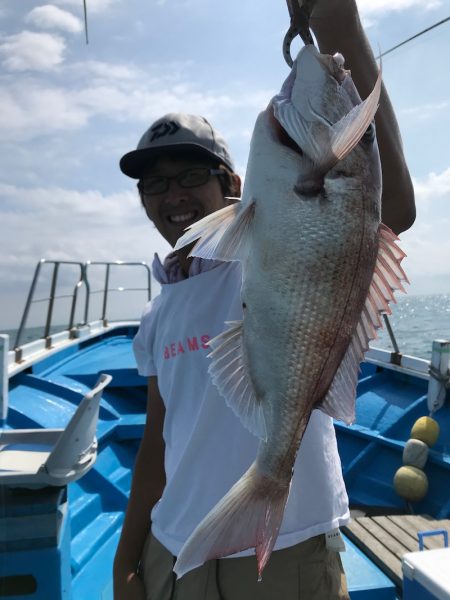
(416, 321)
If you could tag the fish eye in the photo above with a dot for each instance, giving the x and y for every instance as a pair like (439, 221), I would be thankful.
(369, 135)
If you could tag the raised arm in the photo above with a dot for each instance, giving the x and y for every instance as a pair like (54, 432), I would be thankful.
(147, 487)
(337, 27)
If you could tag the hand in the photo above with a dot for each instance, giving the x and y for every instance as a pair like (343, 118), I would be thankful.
(128, 587)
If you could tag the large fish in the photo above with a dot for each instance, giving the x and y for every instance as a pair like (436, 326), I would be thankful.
(319, 268)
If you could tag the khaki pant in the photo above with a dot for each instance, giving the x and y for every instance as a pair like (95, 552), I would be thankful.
(307, 571)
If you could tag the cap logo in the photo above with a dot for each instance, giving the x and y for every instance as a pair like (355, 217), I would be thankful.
(163, 129)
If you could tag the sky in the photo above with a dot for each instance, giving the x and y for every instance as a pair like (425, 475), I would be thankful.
(69, 111)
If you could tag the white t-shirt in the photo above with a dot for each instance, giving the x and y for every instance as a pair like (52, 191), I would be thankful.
(207, 448)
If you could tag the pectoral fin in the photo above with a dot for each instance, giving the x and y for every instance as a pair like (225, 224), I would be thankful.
(222, 235)
(230, 373)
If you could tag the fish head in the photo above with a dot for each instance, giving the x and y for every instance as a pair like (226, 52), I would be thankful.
(317, 128)
(337, 129)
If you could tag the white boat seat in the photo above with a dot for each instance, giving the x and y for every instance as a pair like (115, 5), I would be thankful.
(34, 458)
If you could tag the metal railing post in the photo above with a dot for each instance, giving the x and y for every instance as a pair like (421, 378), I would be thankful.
(4, 347)
(105, 295)
(51, 303)
(88, 293)
(396, 356)
(28, 304)
(149, 281)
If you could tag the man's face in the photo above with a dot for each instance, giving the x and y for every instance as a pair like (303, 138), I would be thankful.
(178, 207)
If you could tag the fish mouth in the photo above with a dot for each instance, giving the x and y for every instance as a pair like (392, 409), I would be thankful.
(319, 76)
(316, 66)
(334, 65)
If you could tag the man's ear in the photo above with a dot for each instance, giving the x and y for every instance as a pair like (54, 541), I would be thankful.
(237, 185)
(144, 206)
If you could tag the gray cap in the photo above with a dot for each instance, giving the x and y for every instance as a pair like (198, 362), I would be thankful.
(176, 130)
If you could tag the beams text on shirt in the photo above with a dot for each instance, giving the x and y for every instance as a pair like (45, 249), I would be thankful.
(191, 344)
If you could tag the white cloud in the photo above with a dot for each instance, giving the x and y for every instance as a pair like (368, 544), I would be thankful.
(433, 189)
(35, 222)
(34, 107)
(29, 110)
(28, 50)
(424, 112)
(427, 243)
(381, 7)
(65, 224)
(52, 17)
(101, 71)
(427, 247)
(93, 6)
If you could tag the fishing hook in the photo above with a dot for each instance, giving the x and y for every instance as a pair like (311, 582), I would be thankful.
(300, 12)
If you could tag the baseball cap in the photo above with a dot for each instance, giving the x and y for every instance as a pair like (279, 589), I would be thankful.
(176, 130)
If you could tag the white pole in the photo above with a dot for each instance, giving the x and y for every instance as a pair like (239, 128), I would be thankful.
(4, 347)
(440, 360)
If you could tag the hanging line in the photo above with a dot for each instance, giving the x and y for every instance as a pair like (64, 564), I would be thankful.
(414, 37)
(85, 21)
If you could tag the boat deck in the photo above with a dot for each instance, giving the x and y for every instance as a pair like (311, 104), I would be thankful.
(386, 538)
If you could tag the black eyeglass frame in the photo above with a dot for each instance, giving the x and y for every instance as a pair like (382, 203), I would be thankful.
(168, 178)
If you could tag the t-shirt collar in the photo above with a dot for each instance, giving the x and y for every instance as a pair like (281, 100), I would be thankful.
(171, 272)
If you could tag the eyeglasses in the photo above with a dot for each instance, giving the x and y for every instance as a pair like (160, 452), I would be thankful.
(159, 184)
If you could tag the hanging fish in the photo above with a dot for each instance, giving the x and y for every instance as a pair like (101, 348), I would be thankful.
(319, 269)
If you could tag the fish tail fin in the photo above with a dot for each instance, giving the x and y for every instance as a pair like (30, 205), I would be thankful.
(248, 516)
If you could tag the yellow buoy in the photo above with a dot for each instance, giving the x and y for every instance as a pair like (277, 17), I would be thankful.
(425, 429)
(411, 483)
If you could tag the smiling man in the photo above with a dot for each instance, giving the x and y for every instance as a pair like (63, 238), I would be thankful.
(194, 447)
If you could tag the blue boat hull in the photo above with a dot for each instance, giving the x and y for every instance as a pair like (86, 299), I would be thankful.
(47, 392)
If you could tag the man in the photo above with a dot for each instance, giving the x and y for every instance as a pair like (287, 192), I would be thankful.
(194, 448)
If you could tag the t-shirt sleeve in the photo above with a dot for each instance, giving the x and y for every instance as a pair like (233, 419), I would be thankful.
(144, 339)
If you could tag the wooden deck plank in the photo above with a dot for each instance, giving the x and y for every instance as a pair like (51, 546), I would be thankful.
(383, 536)
(416, 523)
(406, 538)
(386, 538)
(411, 524)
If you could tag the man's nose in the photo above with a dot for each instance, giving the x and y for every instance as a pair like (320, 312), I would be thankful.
(176, 194)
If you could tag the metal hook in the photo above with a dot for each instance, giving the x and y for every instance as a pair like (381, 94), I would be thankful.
(300, 12)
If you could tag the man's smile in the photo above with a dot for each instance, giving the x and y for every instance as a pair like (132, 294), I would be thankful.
(183, 218)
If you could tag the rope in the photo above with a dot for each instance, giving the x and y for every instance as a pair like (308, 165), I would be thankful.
(443, 379)
(413, 37)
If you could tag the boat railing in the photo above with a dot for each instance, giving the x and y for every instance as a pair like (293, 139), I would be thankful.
(82, 281)
(106, 289)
